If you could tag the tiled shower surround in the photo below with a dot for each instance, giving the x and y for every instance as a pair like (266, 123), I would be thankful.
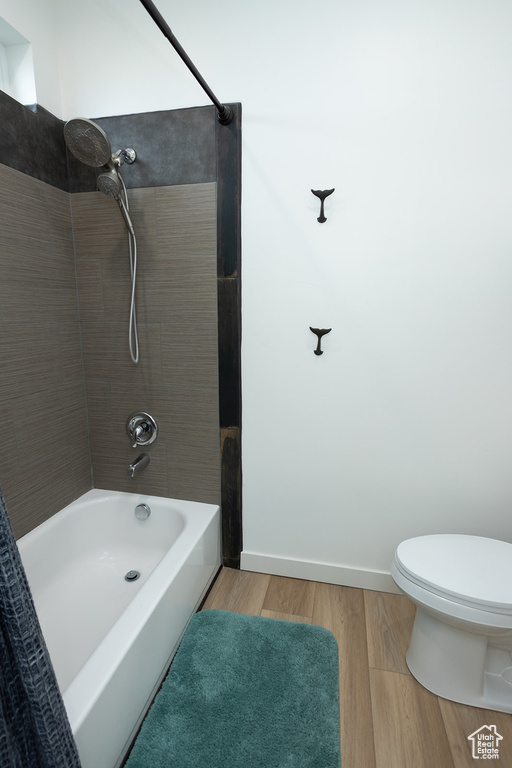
(176, 379)
(67, 383)
(44, 449)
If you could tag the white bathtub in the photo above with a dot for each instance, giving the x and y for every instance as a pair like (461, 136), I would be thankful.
(111, 640)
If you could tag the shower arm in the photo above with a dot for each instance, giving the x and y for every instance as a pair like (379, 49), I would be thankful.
(225, 114)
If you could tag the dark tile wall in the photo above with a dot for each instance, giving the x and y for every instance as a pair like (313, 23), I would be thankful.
(173, 147)
(31, 141)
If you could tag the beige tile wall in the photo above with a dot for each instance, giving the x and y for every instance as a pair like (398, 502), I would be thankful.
(67, 384)
(177, 377)
(44, 449)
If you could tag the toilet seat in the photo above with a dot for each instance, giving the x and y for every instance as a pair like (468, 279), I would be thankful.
(470, 570)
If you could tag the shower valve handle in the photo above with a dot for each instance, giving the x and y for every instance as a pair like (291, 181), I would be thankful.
(139, 431)
(142, 429)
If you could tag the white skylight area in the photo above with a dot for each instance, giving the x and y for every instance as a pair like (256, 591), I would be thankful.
(16, 65)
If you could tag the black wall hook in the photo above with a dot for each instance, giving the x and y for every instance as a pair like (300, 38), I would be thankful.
(322, 194)
(319, 332)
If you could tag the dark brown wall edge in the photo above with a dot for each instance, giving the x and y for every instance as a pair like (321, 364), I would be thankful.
(229, 174)
(231, 496)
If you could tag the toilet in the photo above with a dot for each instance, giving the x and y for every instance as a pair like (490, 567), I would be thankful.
(461, 642)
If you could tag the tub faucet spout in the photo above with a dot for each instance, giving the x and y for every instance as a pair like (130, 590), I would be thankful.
(140, 463)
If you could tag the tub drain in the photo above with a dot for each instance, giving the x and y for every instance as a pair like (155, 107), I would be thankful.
(132, 576)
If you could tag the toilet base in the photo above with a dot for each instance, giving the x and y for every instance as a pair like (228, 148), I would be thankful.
(459, 665)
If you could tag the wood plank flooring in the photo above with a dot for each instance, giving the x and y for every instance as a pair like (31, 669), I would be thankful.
(388, 720)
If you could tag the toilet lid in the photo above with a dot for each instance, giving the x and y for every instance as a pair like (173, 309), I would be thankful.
(472, 569)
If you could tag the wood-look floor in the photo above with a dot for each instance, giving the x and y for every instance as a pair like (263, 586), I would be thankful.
(388, 720)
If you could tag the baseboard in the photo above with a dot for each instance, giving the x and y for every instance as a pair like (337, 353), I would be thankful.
(379, 581)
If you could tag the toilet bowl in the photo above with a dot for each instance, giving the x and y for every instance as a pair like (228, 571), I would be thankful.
(461, 642)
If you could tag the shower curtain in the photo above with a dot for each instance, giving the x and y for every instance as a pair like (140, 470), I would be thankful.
(34, 729)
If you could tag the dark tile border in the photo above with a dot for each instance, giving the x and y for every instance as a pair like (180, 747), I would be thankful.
(174, 146)
(32, 142)
(231, 463)
(229, 174)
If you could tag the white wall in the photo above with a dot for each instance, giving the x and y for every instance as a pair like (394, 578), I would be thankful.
(404, 425)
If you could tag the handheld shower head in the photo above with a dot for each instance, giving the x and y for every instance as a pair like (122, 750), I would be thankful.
(109, 183)
(88, 142)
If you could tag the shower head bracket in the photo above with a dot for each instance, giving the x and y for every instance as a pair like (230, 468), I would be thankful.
(127, 155)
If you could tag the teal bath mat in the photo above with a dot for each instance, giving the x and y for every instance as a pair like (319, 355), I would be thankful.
(245, 692)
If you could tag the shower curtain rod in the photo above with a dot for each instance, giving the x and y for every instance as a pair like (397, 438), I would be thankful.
(225, 114)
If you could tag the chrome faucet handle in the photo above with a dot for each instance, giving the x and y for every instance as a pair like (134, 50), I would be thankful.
(142, 429)
(138, 432)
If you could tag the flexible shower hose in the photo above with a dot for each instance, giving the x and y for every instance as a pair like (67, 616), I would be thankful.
(133, 339)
